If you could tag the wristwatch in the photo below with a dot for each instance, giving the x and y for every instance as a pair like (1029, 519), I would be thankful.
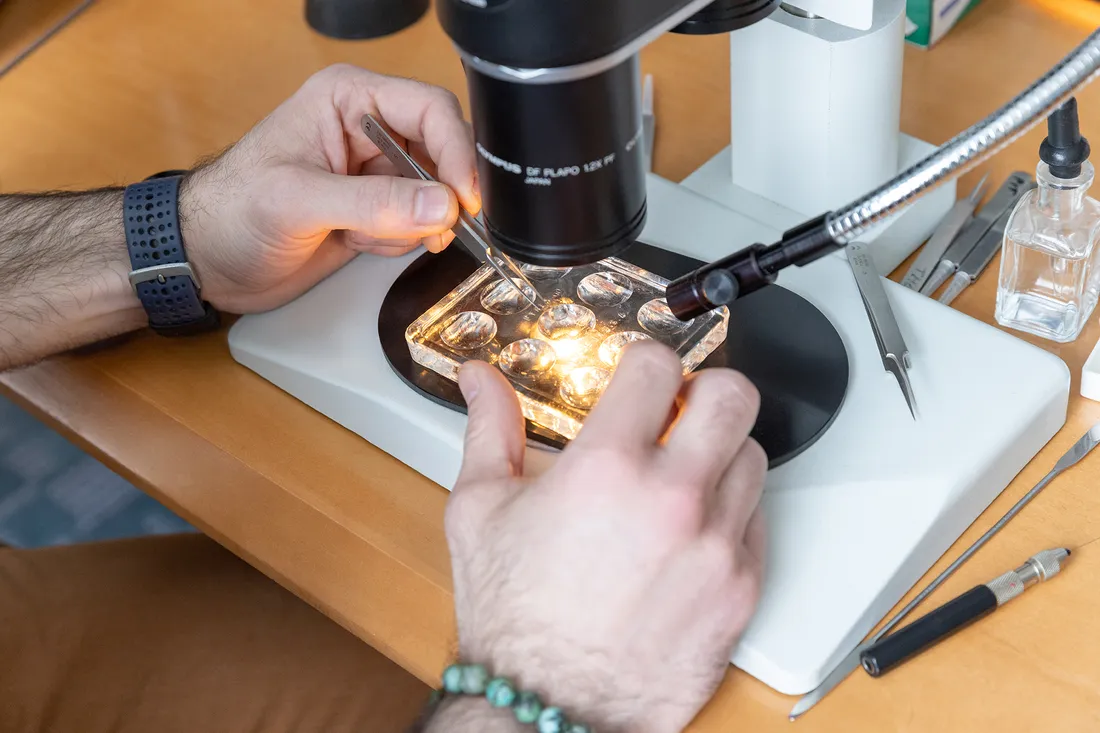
(161, 276)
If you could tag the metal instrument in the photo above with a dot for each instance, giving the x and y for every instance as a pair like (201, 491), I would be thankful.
(961, 611)
(850, 663)
(42, 38)
(467, 229)
(891, 344)
(979, 258)
(961, 214)
(1002, 201)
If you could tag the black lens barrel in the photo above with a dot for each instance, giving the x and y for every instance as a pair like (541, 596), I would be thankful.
(561, 166)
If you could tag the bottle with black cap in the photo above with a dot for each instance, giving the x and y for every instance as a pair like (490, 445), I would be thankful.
(1050, 276)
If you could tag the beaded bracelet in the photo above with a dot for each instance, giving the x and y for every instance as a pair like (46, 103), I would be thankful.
(473, 680)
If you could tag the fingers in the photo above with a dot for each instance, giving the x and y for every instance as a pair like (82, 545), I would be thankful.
(380, 207)
(739, 492)
(495, 431)
(379, 166)
(634, 410)
(397, 247)
(420, 113)
(719, 411)
(756, 537)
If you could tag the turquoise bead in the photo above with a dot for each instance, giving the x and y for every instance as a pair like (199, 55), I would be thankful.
(551, 720)
(452, 679)
(474, 679)
(527, 707)
(578, 728)
(500, 693)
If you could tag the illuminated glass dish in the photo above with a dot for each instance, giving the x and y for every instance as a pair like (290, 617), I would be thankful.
(559, 356)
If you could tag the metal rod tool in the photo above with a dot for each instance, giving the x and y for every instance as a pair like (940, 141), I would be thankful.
(891, 344)
(1002, 201)
(468, 230)
(850, 663)
(979, 258)
(961, 214)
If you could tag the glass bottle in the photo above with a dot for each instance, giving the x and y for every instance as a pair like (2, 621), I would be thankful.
(1050, 277)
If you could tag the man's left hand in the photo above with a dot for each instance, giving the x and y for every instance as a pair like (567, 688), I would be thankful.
(306, 190)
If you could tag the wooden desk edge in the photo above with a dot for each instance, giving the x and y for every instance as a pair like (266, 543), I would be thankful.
(384, 604)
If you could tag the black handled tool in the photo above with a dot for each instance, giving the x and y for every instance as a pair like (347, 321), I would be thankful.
(980, 601)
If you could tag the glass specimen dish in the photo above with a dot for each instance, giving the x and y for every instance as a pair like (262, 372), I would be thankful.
(559, 356)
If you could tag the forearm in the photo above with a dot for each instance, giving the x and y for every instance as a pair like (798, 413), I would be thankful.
(63, 274)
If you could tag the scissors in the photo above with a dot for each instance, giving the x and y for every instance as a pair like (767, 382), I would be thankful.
(468, 229)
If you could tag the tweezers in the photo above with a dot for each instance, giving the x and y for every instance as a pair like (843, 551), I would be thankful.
(468, 230)
(891, 344)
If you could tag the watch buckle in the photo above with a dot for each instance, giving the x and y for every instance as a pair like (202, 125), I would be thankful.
(161, 273)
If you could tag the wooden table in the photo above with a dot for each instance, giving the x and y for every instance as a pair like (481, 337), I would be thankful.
(134, 87)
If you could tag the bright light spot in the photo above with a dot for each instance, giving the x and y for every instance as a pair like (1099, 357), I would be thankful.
(568, 349)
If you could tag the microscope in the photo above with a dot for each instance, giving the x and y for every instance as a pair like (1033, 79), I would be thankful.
(554, 97)
(861, 499)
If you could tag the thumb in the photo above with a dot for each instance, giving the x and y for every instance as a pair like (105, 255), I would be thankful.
(383, 207)
(495, 432)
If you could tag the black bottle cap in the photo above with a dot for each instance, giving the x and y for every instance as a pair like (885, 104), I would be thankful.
(363, 19)
(1064, 150)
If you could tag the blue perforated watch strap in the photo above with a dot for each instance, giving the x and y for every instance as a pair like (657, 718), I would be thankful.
(162, 278)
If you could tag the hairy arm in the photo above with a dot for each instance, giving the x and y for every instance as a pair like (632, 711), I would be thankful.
(63, 274)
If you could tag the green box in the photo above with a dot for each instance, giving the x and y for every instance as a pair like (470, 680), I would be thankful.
(927, 21)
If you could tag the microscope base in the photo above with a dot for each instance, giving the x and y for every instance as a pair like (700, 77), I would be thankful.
(853, 521)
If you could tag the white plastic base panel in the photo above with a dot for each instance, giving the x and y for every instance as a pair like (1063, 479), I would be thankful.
(853, 522)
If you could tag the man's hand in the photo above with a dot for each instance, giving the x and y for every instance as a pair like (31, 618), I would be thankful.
(617, 584)
(290, 203)
(305, 190)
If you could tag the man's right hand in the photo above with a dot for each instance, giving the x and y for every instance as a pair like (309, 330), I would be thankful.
(616, 584)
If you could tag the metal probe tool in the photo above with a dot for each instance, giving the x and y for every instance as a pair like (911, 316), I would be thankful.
(891, 344)
(850, 663)
(979, 258)
(976, 603)
(961, 214)
(467, 229)
(1003, 201)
